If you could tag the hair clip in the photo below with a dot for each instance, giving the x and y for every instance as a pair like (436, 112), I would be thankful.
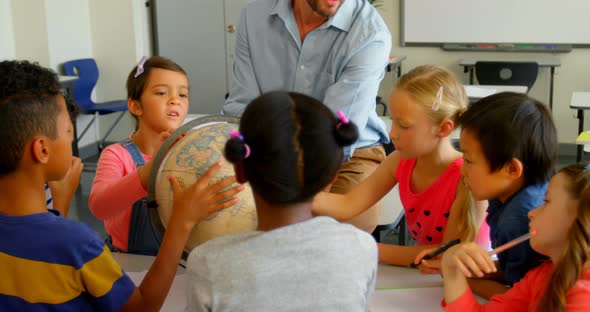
(139, 70)
(343, 119)
(438, 101)
(237, 134)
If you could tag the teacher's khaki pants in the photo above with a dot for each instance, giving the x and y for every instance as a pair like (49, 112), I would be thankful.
(362, 164)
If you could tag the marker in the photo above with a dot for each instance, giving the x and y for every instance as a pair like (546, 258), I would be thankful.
(487, 46)
(437, 252)
(512, 243)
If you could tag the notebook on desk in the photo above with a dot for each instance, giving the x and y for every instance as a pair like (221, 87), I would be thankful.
(479, 92)
(583, 138)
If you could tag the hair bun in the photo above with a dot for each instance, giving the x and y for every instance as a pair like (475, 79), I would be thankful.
(346, 133)
(235, 150)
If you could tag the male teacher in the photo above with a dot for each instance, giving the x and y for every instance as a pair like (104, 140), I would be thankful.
(333, 50)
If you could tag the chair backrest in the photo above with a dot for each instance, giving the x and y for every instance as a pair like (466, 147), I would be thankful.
(87, 73)
(507, 73)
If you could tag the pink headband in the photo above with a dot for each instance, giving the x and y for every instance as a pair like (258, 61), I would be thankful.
(237, 134)
(343, 119)
(139, 70)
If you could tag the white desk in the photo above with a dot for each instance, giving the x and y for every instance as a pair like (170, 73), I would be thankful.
(66, 79)
(136, 266)
(136, 263)
(476, 92)
(580, 101)
(394, 277)
(395, 64)
(405, 289)
(397, 288)
(67, 83)
(551, 63)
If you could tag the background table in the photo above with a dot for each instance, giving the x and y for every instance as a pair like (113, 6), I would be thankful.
(395, 64)
(476, 92)
(469, 67)
(580, 101)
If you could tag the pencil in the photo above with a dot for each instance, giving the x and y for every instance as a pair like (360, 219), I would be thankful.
(510, 244)
(437, 252)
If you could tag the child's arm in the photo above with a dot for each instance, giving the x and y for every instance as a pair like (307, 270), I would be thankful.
(344, 207)
(63, 190)
(190, 206)
(470, 260)
(117, 184)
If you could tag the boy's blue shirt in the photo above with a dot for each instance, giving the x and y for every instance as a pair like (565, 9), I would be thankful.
(510, 220)
(49, 263)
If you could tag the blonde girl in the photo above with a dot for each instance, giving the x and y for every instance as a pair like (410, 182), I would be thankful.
(424, 106)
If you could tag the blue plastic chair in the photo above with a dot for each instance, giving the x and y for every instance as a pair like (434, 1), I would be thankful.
(87, 72)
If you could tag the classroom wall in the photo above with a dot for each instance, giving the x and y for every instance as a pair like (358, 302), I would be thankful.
(53, 31)
(117, 47)
(114, 48)
(67, 33)
(573, 75)
(116, 34)
(6, 31)
(30, 30)
(68, 29)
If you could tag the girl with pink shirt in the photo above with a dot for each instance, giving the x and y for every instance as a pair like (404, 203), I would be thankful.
(424, 106)
(157, 97)
(560, 229)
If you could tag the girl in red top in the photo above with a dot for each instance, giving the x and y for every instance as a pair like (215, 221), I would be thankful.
(561, 231)
(423, 106)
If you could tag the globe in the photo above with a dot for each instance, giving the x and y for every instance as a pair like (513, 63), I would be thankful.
(189, 155)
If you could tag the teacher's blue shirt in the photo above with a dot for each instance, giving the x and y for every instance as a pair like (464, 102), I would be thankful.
(340, 63)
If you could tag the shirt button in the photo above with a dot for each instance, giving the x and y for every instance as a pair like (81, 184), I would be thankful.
(302, 67)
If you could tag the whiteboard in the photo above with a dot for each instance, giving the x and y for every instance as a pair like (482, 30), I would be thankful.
(495, 21)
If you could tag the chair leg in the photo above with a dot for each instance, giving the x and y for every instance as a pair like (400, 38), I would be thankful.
(379, 101)
(403, 232)
(377, 234)
(97, 129)
(102, 142)
(86, 129)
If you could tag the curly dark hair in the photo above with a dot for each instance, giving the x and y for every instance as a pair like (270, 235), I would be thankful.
(29, 77)
(28, 107)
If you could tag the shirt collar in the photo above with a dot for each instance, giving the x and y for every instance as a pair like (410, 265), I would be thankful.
(342, 19)
(282, 8)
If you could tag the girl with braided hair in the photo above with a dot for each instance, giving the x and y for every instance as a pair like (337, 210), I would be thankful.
(289, 148)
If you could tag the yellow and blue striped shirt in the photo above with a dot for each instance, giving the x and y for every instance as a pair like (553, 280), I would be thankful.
(51, 263)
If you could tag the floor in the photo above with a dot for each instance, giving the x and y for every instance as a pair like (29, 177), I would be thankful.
(79, 208)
